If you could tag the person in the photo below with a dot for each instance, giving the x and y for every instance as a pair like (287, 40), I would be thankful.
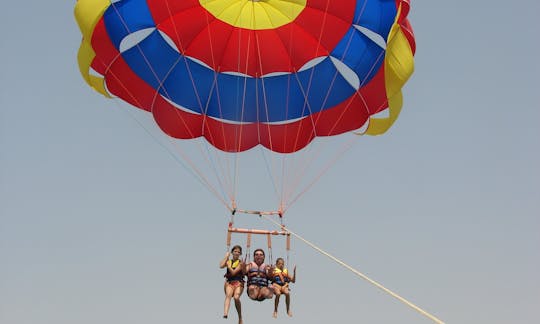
(258, 273)
(234, 280)
(280, 281)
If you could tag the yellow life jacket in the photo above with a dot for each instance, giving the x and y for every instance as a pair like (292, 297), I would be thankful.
(233, 265)
(281, 277)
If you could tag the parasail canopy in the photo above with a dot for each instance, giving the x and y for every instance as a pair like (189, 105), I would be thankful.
(244, 72)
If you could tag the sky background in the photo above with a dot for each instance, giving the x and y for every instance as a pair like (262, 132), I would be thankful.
(99, 224)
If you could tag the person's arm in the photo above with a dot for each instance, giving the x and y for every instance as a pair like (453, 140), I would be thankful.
(293, 279)
(223, 263)
(270, 271)
(239, 269)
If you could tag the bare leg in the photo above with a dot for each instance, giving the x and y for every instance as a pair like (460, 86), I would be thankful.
(276, 303)
(266, 293)
(277, 292)
(238, 309)
(253, 292)
(229, 290)
(288, 304)
(287, 301)
(237, 304)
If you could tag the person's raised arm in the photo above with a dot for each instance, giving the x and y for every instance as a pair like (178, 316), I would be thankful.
(223, 262)
(270, 271)
(293, 279)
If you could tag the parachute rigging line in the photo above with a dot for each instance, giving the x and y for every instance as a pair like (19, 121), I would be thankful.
(199, 174)
(191, 169)
(347, 146)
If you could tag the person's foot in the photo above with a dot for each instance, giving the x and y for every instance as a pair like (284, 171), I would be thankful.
(225, 316)
(274, 315)
(289, 313)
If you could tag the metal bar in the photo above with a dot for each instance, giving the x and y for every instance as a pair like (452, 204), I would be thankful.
(256, 231)
(258, 212)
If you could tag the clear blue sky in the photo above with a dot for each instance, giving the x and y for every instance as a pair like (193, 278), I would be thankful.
(98, 224)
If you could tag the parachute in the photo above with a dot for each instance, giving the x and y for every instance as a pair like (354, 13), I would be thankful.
(242, 73)
(245, 73)
(239, 74)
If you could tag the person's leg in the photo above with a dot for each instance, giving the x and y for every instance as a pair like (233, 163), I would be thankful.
(253, 292)
(277, 292)
(237, 293)
(266, 293)
(229, 290)
(287, 300)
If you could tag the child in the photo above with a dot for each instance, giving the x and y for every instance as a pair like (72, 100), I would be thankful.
(281, 279)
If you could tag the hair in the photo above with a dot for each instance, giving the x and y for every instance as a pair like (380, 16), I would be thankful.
(258, 250)
(237, 247)
(277, 260)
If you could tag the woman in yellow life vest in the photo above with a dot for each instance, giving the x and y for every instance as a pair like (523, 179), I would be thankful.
(234, 280)
(280, 281)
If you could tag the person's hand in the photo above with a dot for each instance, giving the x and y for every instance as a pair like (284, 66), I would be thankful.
(227, 254)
